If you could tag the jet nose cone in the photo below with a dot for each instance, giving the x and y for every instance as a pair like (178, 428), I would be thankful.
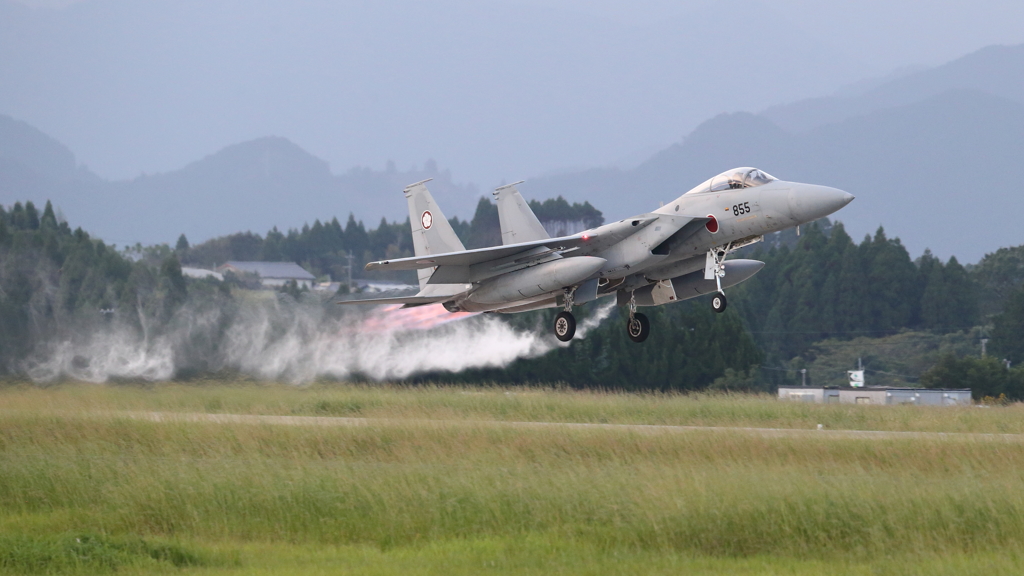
(808, 202)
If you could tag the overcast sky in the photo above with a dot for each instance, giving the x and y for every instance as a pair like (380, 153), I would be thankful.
(897, 32)
(495, 91)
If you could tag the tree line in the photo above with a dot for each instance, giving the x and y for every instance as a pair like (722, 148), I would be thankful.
(56, 281)
(829, 286)
(823, 285)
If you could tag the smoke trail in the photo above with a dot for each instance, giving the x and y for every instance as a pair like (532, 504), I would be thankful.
(299, 343)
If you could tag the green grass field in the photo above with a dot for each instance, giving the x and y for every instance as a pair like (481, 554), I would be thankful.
(85, 489)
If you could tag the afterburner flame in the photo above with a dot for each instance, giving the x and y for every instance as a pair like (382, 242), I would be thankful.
(394, 318)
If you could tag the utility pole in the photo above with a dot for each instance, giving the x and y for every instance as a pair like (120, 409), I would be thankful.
(983, 342)
(349, 270)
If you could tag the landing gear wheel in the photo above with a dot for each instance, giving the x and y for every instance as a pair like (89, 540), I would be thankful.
(565, 326)
(718, 302)
(639, 327)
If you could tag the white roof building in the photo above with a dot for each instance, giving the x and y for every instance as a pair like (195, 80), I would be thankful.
(876, 395)
(271, 274)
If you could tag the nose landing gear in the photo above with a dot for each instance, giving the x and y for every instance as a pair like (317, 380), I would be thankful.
(715, 268)
(718, 302)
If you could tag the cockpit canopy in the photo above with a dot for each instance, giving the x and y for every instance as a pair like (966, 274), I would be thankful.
(735, 179)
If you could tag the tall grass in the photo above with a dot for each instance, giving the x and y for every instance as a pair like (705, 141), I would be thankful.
(714, 493)
(509, 404)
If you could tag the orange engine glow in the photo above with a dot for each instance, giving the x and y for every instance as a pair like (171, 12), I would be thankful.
(393, 317)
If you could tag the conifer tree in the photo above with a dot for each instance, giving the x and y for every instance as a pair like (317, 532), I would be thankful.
(31, 216)
(49, 219)
(1008, 330)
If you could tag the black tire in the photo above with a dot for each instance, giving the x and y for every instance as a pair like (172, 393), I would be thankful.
(718, 302)
(565, 326)
(639, 328)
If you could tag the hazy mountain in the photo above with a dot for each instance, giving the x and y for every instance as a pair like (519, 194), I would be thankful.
(34, 152)
(937, 173)
(928, 171)
(269, 182)
(997, 70)
(34, 166)
(254, 186)
(925, 157)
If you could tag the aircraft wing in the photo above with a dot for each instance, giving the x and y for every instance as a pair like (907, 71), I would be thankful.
(481, 255)
(581, 244)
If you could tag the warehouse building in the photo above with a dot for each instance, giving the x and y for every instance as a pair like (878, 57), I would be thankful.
(271, 274)
(876, 395)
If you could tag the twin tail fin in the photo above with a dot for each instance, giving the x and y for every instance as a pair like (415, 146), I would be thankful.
(518, 222)
(431, 232)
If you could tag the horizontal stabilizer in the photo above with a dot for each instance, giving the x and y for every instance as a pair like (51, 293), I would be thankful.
(409, 301)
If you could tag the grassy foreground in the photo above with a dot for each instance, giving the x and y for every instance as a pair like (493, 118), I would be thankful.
(506, 404)
(85, 490)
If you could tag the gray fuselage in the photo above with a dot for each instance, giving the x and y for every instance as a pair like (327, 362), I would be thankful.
(666, 244)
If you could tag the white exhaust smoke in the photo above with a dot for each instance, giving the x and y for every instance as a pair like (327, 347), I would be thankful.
(300, 343)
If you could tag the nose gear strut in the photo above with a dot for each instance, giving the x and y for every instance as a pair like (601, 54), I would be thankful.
(714, 267)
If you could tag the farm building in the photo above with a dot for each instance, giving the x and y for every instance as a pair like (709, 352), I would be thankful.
(876, 395)
(271, 274)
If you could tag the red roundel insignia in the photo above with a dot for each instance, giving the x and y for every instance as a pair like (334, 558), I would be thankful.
(426, 220)
(712, 224)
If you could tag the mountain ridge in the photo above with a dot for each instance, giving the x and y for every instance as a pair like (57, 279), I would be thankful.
(978, 70)
(917, 167)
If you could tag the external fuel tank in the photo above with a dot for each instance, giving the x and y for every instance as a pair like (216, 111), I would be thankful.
(536, 280)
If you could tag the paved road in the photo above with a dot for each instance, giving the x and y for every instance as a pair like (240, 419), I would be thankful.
(640, 428)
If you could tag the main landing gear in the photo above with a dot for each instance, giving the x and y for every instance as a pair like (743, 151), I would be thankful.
(565, 326)
(716, 266)
(565, 322)
(638, 326)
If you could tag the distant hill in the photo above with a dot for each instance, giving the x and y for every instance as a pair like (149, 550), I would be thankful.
(252, 186)
(33, 152)
(35, 164)
(996, 70)
(927, 154)
(931, 154)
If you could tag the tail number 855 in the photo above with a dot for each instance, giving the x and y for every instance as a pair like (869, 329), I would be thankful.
(738, 209)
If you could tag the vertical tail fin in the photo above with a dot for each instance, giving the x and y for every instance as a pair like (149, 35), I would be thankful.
(518, 222)
(431, 232)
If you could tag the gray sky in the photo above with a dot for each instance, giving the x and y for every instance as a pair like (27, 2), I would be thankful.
(495, 91)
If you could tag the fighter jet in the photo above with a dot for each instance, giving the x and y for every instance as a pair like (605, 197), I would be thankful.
(674, 253)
